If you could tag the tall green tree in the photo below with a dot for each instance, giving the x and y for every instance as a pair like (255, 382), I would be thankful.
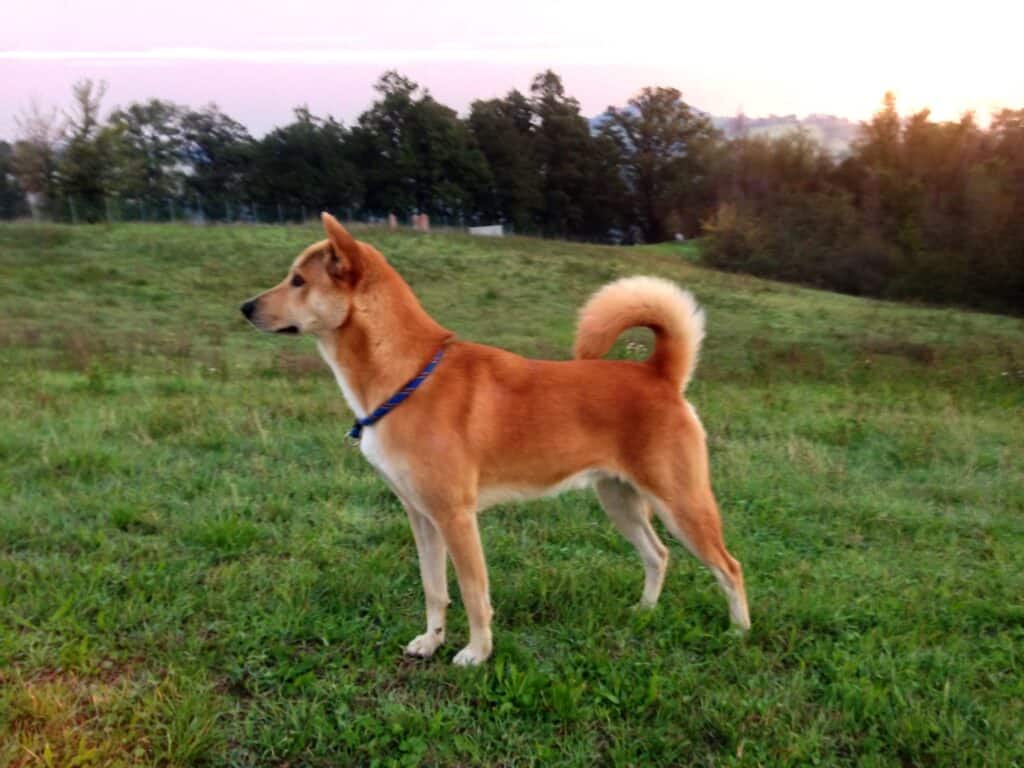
(451, 175)
(12, 198)
(219, 152)
(504, 131)
(382, 147)
(305, 165)
(85, 163)
(605, 197)
(563, 144)
(877, 171)
(417, 155)
(1001, 195)
(148, 147)
(667, 149)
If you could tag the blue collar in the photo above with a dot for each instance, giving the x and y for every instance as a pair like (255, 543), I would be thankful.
(396, 399)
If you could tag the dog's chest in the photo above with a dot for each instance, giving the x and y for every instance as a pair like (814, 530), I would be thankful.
(374, 453)
(390, 467)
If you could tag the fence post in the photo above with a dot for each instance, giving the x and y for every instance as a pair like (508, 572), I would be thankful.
(170, 207)
(74, 211)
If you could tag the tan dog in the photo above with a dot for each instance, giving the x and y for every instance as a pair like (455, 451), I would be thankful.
(489, 426)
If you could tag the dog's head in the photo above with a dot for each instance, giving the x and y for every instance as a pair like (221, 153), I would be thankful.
(316, 294)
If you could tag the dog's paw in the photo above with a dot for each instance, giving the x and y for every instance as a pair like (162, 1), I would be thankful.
(643, 606)
(423, 646)
(739, 632)
(469, 657)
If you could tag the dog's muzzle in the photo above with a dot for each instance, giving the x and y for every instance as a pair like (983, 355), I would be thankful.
(249, 310)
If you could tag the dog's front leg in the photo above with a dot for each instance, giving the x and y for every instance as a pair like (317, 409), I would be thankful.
(434, 573)
(462, 537)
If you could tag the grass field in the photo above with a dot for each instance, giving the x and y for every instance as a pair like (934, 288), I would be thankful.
(195, 568)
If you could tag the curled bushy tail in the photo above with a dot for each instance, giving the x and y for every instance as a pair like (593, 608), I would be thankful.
(662, 306)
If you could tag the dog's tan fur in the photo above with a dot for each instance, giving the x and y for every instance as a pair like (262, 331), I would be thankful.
(489, 426)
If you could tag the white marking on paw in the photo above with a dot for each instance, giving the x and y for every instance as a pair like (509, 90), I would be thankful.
(468, 657)
(739, 615)
(423, 646)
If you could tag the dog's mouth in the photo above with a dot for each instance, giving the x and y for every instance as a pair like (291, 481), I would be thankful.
(288, 329)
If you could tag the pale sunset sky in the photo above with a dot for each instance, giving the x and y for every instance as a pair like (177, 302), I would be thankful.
(258, 60)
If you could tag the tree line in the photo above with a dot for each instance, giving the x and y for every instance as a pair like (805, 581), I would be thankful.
(916, 209)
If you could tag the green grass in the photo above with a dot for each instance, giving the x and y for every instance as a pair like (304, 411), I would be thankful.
(195, 568)
(690, 250)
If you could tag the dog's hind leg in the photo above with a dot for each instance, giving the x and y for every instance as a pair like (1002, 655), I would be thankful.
(629, 512)
(678, 483)
(694, 520)
(433, 571)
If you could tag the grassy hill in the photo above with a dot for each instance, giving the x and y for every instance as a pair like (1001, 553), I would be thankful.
(196, 568)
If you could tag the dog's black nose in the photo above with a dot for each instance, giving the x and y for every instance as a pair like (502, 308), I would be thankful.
(248, 308)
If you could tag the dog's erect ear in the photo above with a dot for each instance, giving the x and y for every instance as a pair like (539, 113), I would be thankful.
(346, 257)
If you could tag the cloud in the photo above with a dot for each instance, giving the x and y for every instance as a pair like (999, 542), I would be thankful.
(453, 53)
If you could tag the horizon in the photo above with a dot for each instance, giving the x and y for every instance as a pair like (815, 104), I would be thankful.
(259, 66)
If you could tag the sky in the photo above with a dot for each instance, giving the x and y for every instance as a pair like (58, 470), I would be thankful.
(259, 59)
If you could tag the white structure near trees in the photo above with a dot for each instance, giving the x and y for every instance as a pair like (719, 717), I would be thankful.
(491, 230)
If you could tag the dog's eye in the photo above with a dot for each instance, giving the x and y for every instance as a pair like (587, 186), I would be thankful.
(297, 281)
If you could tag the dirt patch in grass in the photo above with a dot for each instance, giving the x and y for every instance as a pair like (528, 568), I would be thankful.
(62, 717)
(925, 354)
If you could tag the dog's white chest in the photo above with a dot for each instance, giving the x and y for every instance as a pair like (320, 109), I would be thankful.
(369, 444)
(388, 466)
(374, 453)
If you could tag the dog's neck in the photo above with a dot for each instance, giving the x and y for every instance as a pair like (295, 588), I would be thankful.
(384, 342)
